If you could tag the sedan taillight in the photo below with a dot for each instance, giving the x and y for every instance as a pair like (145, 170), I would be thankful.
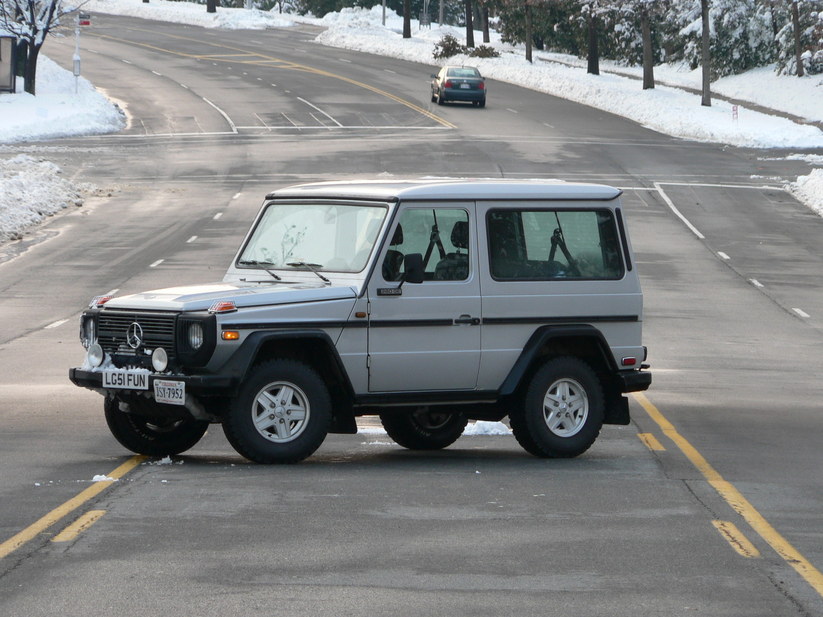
(448, 84)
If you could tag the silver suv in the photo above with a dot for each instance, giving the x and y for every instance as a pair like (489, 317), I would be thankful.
(427, 303)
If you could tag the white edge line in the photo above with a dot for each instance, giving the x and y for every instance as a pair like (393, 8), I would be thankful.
(222, 113)
(56, 324)
(677, 212)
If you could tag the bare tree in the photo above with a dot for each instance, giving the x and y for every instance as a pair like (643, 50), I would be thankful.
(798, 48)
(469, 24)
(406, 19)
(31, 21)
(706, 54)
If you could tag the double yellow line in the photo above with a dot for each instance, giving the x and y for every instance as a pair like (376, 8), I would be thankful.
(257, 58)
(736, 500)
(60, 512)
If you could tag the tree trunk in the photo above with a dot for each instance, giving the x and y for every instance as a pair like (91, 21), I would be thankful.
(529, 34)
(798, 52)
(469, 25)
(30, 81)
(705, 54)
(594, 51)
(648, 52)
(486, 36)
(406, 19)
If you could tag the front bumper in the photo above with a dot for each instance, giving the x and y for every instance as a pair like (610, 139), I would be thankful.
(196, 385)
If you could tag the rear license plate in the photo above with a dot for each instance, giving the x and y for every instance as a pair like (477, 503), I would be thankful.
(465, 86)
(170, 392)
(125, 380)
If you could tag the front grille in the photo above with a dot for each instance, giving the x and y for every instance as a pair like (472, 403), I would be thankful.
(157, 331)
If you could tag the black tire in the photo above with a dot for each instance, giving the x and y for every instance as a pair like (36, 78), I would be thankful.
(482, 103)
(424, 429)
(152, 434)
(268, 429)
(562, 412)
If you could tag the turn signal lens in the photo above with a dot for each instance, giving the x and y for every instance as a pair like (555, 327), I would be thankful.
(98, 301)
(223, 306)
(230, 335)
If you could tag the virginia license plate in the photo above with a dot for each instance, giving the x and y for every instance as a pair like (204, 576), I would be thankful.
(125, 380)
(170, 392)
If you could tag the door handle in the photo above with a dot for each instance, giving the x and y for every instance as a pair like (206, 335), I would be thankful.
(468, 320)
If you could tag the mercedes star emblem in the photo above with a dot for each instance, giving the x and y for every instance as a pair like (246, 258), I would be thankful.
(134, 335)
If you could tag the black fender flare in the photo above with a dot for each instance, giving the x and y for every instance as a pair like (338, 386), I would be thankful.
(617, 406)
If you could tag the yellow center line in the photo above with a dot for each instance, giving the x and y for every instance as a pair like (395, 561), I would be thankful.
(285, 64)
(736, 500)
(60, 512)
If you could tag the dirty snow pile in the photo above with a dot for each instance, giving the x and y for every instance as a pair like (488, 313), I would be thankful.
(56, 111)
(32, 189)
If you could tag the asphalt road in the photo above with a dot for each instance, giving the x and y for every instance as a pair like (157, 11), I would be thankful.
(709, 503)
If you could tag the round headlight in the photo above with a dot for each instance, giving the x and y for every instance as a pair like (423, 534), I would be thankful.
(195, 335)
(95, 355)
(160, 359)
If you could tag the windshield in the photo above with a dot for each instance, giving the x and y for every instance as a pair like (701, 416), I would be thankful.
(336, 237)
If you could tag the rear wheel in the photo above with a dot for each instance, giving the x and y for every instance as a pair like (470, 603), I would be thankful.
(423, 429)
(562, 412)
(281, 413)
(482, 103)
(146, 430)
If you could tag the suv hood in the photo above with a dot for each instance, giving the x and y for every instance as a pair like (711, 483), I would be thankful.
(201, 297)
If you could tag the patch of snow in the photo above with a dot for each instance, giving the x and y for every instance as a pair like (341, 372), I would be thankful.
(482, 427)
(103, 478)
(809, 190)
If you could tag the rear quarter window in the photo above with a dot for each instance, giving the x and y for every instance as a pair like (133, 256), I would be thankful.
(530, 245)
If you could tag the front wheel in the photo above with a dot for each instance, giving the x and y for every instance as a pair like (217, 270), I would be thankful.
(144, 430)
(281, 413)
(424, 429)
(562, 411)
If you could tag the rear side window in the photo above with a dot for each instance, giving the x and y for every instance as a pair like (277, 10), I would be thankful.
(536, 245)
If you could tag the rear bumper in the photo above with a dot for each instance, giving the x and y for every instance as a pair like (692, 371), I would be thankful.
(456, 94)
(197, 385)
(635, 381)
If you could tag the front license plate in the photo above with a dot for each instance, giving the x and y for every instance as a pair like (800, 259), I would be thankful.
(170, 392)
(125, 380)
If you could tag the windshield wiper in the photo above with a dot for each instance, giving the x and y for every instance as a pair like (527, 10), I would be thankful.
(308, 266)
(262, 264)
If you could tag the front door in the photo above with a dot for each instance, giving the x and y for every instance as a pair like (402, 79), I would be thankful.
(427, 335)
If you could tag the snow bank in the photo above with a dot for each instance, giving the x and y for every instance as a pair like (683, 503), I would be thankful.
(191, 14)
(32, 189)
(57, 111)
(809, 190)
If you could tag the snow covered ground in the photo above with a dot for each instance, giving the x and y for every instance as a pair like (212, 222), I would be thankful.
(57, 111)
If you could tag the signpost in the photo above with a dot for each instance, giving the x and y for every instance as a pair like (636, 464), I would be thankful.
(83, 19)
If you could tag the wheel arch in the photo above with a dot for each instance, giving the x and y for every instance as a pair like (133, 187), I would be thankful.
(314, 348)
(582, 341)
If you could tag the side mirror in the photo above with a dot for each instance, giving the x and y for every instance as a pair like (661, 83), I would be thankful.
(413, 268)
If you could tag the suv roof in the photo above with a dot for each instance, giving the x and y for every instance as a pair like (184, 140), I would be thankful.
(451, 189)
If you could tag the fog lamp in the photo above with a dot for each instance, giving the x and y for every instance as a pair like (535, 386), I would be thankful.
(95, 355)
(160, 360)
